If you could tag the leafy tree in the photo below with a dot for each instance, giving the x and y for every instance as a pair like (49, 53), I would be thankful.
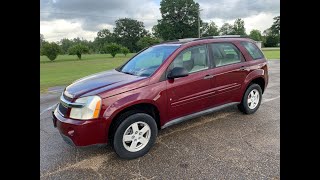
(272, 40)
(125, 51)
(128, 32)
(41, 40)
(238, 27)
(112, 48)
(226, 29)
(155, 32)
(78, 50)
(77, 40)
(147, 41)
(103, 36)
(255, 35)
(51, 50)
(89, 44)
(275, 28)
(65, 44)
(272, 34)
(179, 19)
(209, 29)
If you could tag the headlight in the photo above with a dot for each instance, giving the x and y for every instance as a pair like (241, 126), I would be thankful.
(90, 110)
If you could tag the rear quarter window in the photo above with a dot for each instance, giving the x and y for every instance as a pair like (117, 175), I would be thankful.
(253, 50)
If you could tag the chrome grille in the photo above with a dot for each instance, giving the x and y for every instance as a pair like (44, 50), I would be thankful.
(63, 110)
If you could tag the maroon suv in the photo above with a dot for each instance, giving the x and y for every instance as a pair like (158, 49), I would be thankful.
(160, 86)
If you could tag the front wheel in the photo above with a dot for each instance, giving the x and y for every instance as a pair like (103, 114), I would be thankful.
(251, 99)
(135, 136)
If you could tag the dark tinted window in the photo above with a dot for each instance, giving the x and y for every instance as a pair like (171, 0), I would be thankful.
(253, 50)
(225, 53)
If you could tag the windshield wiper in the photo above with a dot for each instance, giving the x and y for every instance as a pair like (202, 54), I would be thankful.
(128, 73)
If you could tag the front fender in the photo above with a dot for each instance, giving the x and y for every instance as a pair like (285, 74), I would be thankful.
(125, 102)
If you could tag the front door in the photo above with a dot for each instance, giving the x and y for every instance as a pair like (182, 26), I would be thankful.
(192, 93)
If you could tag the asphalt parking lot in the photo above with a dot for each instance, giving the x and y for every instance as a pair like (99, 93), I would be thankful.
(222, 145)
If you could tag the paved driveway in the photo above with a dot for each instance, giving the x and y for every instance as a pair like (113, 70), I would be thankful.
(222, 145)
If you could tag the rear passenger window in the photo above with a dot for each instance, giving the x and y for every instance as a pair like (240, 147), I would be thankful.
(225, 53)
(253, 50)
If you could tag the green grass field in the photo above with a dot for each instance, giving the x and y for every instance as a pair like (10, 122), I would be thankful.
(271, 53)
(66, 68)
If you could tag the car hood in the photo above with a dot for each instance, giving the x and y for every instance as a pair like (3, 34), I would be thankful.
(102, 80)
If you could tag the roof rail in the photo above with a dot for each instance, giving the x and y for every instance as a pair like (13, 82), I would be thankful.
(228, 36)
(178, 40)
(187, 39)
(169, 41)
(207, 37)
(223, 36)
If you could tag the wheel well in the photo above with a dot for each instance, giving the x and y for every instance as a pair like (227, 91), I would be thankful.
(147, 108)
(260, 81)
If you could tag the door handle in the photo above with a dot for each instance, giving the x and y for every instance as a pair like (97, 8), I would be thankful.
(208, 76)
(243, 68)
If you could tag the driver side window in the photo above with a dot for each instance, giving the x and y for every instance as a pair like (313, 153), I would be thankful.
(194, 59)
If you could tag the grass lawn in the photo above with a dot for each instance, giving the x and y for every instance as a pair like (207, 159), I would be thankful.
(271, 53)
(66, 68)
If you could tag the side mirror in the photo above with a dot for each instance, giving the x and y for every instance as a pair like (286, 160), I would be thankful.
(177, 72)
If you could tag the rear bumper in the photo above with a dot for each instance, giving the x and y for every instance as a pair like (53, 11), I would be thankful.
(79, 132)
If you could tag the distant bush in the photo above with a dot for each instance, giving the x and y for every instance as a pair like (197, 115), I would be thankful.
(51, 50)
(78, 50)
(147, 41)
(112, 48)
(125, 51)
(272, 41)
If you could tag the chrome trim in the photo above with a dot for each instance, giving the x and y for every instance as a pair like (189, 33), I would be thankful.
(66, 103)
(208, 77)
(68, 94)
(197, 114)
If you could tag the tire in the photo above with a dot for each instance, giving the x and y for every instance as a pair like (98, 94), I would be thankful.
(129, 141)
(251, 107)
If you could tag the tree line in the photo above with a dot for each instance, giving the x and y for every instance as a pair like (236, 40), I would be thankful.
(179, 20)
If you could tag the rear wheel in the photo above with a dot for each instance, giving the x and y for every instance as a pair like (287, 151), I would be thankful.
(135, 135)
(251, 99)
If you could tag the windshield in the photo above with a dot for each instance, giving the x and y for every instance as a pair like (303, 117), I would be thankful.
(148, 61)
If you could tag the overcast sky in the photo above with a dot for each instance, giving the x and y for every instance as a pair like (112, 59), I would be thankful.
(84, 18)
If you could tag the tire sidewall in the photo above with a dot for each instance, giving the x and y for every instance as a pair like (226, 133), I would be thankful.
(245, 98)
(118, 144)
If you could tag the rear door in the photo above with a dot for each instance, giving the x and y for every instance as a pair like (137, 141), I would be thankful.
(190, 94)
(229, 72)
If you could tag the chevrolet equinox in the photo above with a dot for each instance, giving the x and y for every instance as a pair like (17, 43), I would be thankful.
(160, 86)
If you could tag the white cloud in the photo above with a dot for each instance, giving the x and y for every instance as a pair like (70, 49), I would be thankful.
(261, 21)
(55, 30)
(82, 18)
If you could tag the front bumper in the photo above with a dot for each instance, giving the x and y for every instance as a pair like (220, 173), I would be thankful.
(79, 132)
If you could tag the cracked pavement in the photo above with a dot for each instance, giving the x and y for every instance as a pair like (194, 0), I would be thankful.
(221, 145)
